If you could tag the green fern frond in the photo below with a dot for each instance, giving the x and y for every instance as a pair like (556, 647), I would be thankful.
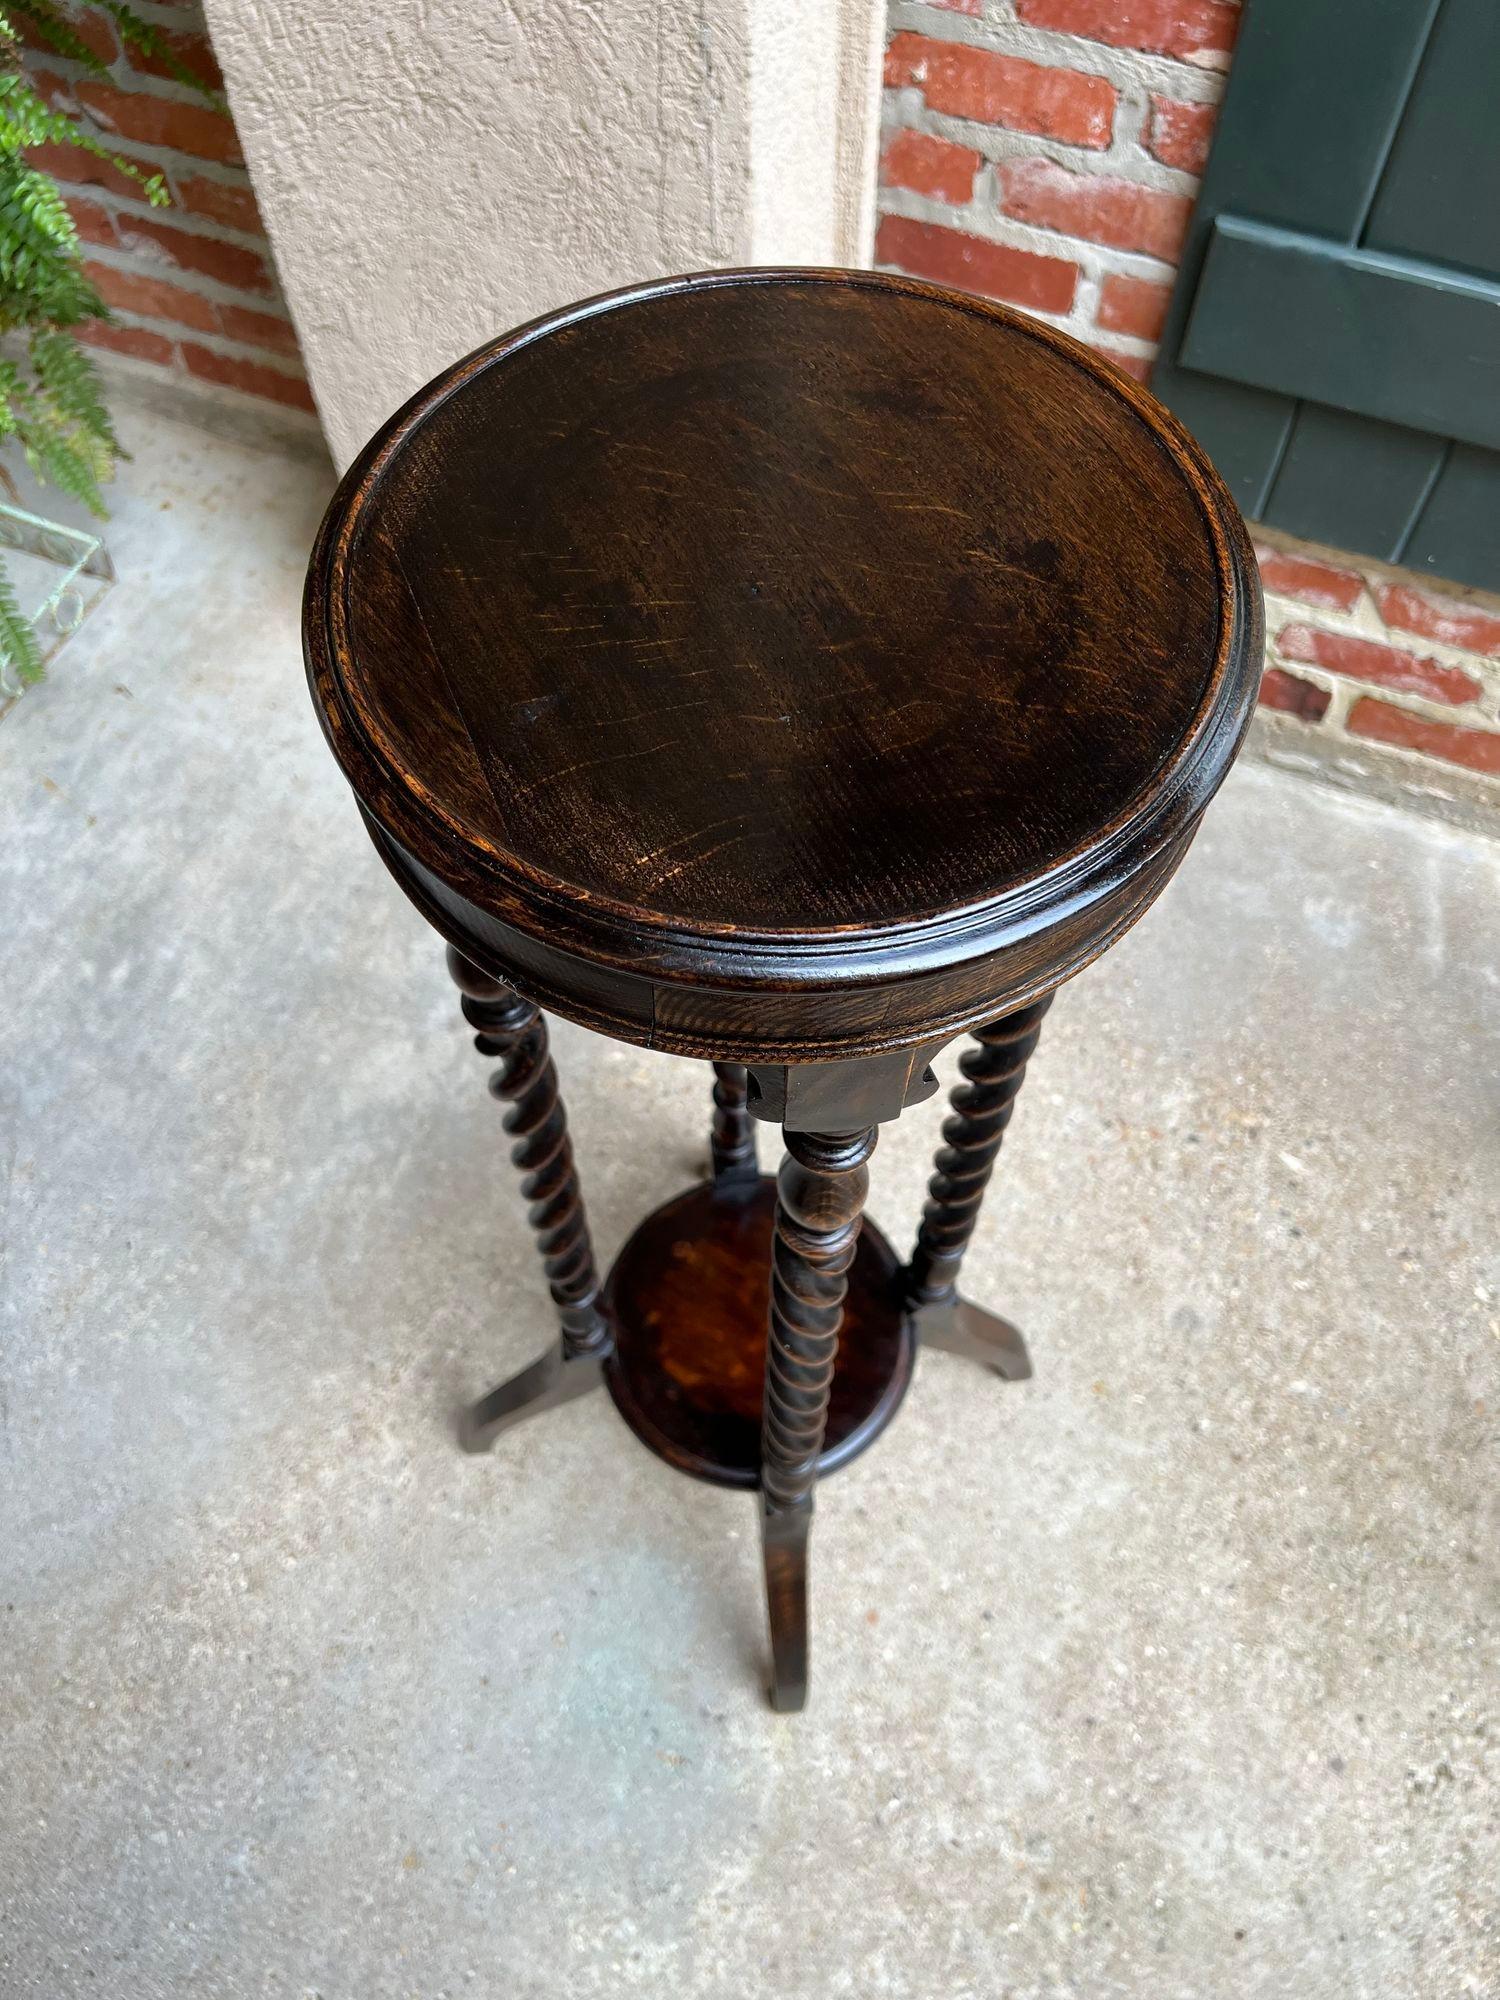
(41, 273)
(61, 447)
(51, 399)
(36, 222)
(25, 121)
(20, 655)
(70, 382)
(67, 458)
(12, 390)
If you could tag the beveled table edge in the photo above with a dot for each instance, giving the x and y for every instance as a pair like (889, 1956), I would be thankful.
(650, 944)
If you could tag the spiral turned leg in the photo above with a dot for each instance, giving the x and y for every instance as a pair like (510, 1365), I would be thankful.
(512, 1029)
(820, 1199)
(733, 1142)
(982, 1107)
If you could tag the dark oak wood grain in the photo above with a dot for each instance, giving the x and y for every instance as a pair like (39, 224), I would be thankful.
(689, 1300)
(820, 1198)
(794, 670)
(783, 666)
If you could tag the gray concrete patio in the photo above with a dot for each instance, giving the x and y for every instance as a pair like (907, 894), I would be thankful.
(1169, 1676)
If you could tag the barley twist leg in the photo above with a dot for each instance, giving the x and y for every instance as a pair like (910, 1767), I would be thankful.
(513, 1029)
(820, 1200)
(733, 1142)
(981, 1109)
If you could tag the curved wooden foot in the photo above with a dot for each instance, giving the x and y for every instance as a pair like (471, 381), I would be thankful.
(784, 1534)
(957, 1327)
(553, 1378)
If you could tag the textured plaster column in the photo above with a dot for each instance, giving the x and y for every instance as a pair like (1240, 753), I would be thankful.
(431, 174)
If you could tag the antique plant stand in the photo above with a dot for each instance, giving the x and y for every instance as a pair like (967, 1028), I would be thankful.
(795, 670)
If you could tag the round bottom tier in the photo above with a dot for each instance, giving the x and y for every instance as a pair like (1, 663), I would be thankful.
(689, 1296)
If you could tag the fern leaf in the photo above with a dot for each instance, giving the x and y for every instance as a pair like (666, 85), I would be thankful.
(25, 121)
(59, 447)
(67, 458)
(20, 655)
(41, 275)
(69, 380)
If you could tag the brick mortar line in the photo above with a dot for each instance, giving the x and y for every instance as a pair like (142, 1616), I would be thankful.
(232, 350)
(1347, 688)
(1410, 764)
(135, 264)
(1056, 49)
(1286, 745)
(1334, 718)
(121, 208)
(171, 159)
(1372, 571)
(1127, 140)
(189, 19)
(990, 226)
(1307, 746)
(1420, 774)
(1128, 160)
(1365, 622)
(125, 77)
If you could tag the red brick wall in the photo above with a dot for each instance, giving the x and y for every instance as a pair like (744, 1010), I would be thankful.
(1046, 152)
(193, 287)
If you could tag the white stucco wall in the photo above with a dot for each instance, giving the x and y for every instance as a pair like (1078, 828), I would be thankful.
(433, 173)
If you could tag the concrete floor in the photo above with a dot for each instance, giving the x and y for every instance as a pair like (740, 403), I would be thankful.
(1170, 1675)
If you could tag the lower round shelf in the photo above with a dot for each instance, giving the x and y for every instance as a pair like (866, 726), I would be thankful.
(690, 1296)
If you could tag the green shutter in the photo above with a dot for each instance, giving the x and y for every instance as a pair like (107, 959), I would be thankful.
(1334, 337)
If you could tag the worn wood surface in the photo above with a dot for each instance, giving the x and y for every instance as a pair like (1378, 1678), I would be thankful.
(783, 666)
(791, 669)
(689, 1297)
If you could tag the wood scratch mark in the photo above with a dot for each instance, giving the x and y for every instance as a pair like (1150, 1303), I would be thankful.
(602, 645)
(643, 715)
(695, 861)
(731, 819)
(1013, 569)
(592, 764)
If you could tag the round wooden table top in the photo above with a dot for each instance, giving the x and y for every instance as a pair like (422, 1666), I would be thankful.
(781, 612)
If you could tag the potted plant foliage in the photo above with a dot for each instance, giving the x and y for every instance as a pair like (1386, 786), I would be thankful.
(51, 398)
